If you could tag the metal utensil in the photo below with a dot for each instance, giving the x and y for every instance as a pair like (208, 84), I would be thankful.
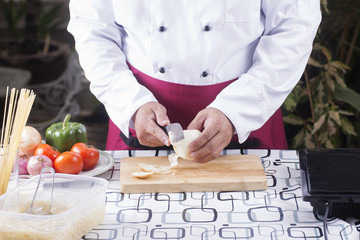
(44, 170)
(175, 132)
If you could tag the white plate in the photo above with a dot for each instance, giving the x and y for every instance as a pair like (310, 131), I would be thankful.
(106, 161)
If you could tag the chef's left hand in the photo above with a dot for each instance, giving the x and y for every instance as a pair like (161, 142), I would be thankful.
(216, 133)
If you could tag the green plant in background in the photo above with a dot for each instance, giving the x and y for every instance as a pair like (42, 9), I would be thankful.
(332, 108)
(13, 13)
(49, 21)
(38, 22)
(329, 118)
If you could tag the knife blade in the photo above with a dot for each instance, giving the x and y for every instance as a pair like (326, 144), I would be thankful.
(175, 132)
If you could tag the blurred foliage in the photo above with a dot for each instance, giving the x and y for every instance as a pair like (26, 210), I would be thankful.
(28, 25)
(323, 110)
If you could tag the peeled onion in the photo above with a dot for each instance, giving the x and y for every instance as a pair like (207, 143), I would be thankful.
(181, 147)
(36, 163)
(30, 139)
(181, 150)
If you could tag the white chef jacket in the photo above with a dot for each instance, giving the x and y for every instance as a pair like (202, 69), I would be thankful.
(264, 44)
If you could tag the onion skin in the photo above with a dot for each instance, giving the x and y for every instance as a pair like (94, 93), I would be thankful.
(36, 163)
(30, 139)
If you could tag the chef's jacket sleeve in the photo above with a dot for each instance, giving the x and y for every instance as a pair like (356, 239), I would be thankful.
(98, 40)
(277, 64)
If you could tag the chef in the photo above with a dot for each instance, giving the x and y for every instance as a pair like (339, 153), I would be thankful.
(223, 67)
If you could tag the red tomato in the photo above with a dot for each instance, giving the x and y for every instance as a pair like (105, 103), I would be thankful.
(89, 154)
(47, 150)
(68, 162)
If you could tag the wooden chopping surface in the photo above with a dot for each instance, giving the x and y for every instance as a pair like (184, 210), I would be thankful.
(225, 173)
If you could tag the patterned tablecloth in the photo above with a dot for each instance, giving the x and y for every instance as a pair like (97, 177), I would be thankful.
(277, 213)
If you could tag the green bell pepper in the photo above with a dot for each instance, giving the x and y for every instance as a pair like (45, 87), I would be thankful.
(63, 135)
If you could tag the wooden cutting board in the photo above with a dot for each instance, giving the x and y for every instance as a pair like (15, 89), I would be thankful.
(225, 173)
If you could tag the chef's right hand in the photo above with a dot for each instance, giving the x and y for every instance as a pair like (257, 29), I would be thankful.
(147, 120)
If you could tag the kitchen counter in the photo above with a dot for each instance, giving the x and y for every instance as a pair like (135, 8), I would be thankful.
(276, 213)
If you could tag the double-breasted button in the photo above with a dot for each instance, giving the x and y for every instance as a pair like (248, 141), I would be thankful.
(204, 74)
(207, 28)
(162, 29)
(162, 70)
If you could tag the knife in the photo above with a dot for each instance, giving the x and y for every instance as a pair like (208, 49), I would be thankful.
(175, 132)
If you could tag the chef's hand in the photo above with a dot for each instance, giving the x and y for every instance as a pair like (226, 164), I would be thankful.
(147, 120)
(216, 133)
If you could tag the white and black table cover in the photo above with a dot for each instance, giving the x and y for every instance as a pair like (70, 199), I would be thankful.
(277, 213)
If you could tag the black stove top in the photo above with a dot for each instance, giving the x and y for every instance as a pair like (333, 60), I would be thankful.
(331, 176)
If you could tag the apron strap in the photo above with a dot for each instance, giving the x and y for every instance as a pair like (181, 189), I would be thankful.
(183, 102)
(120, 142)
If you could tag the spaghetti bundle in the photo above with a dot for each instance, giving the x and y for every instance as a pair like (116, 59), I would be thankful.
(16, 112)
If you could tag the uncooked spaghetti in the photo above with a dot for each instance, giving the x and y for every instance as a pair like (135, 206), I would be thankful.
(16, 112)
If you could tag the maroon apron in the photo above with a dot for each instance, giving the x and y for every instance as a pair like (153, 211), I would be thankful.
(183, 102)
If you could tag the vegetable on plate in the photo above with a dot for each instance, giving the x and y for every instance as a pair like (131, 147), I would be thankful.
(63, 135)
(47, 150)
(22, 162)
(68, 162)
(29, 140)
(89, 154)
(36, 163)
